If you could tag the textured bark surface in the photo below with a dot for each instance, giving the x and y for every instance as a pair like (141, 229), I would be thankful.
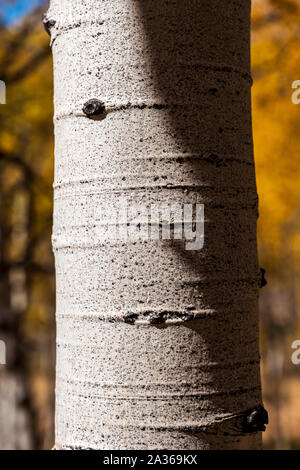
(175, 80)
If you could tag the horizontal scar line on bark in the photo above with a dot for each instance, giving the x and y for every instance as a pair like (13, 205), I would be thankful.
(94, 108)
(103, 110)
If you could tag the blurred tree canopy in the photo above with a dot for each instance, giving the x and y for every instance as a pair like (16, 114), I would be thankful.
(275, 65)
(26, 174)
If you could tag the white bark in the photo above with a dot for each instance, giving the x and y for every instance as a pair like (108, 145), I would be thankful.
(142, 386)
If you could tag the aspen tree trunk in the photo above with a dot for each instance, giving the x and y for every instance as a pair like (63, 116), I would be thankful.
(157, 346)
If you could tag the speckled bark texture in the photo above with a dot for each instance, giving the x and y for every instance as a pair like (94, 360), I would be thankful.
(174, 77)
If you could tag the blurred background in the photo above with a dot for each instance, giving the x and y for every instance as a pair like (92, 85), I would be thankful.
(27, 288)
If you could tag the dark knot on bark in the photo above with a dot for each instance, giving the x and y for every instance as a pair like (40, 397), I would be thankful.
(255, 420)
(263, 281)
(93, 107)
(48, 24)
(130, 318)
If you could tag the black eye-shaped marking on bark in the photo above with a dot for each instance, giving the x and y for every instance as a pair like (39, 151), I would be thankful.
(255, 420)
(157, 319)
(130, 318)
(263, 281)
(93, 108)
(188, 316)
(158, 106)
(48, 24)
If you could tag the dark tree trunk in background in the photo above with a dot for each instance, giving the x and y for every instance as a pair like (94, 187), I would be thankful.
(15, 423)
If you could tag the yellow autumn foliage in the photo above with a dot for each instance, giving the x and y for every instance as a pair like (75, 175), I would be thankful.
(276, 124)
